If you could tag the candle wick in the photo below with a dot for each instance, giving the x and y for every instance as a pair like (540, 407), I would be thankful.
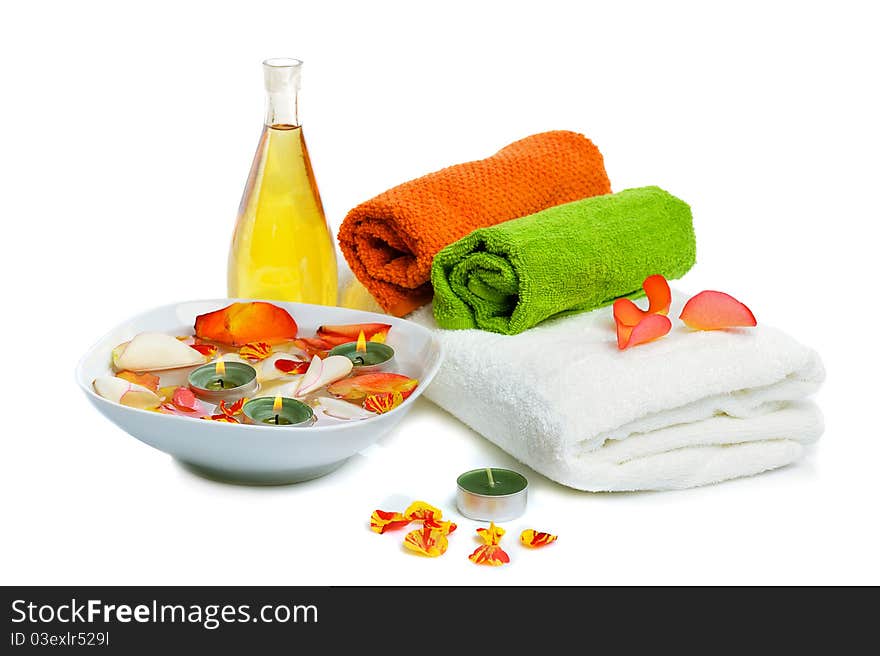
(491, 478)
(220, 380)
(358, 360)
(276, 420)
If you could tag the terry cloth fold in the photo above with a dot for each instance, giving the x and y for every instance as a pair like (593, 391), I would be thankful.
(569, 258)
(689, 409)
(391, 240)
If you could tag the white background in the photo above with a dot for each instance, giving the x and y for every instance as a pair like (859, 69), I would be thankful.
(126, 136)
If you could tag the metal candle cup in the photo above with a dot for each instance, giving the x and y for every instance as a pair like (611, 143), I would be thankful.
(238, 380)
(292, 413)
(491, 494)
(376, 356)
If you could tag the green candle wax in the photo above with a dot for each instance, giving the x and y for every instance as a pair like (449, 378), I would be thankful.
(376, 353)
(292, 412)
(478, 481)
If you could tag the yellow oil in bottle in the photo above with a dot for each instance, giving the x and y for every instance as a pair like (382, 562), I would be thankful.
(282, 248)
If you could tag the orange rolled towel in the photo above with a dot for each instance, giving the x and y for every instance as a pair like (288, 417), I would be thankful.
(390, 241)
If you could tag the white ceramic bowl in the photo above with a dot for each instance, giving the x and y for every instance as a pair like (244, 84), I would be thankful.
(260, 455)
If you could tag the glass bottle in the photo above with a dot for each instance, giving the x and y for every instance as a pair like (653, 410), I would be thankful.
(282, 248)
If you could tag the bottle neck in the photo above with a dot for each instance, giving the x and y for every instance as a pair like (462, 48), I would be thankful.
(281, 108)
(281, 78)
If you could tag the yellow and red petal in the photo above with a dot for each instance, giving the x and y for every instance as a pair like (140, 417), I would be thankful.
(292, 366)
(222, 417)
(241, 323)
(651, 327)
(711, 310)
(489, 554)
(382, 403)
(426, 541)
(491, 535)
(419, 511)
(230, 410)
(534, 539)
(658, 293)
(384, 520)
(445, 526)
(146, 379)
(360, 387)
(208, 350)
(256, 351)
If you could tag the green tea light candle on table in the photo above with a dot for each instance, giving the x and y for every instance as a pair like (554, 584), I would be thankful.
(492, 494)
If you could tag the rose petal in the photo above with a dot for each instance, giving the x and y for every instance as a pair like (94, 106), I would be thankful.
(184, 399)
(313, 346)
(241, 323)
(146, 379)
(255, 351)
(342, 334)
(332, 368)
(534, 539)
(208, 350)
(342, 409)
(658, 293)
(154, 352)
(626, 312)
(445, 526)
(124, 392)
(711, 310)
(291, 366)
(427, 541)
(383, 520)
(359, 387)
(651, 327)
(382, 403)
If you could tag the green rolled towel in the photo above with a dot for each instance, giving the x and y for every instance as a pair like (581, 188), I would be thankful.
(570, 258)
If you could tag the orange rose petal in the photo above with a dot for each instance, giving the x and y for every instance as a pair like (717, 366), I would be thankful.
(241, 323)
(710, 310)
(343, 334)
(313, 346)
(146, 379)
(422, 511)
(489, 554)
(383, 520)
(626, 312)
(381, 403)
(255, 351)
(208, 350)
(292, 366)
(360, 387)
(651, 327)
(658, 293)
(232, 410)
(426, 541)
(534, 539)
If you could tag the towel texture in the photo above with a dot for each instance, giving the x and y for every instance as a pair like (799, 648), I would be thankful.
(390, 240)
(690, 409)
(569, 258)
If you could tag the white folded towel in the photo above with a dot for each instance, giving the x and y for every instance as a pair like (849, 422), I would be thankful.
(689, 409)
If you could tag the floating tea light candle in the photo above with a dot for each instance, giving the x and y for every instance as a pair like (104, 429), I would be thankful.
(223, 381)
(365, 356)
(491, 494)
(279, 411)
